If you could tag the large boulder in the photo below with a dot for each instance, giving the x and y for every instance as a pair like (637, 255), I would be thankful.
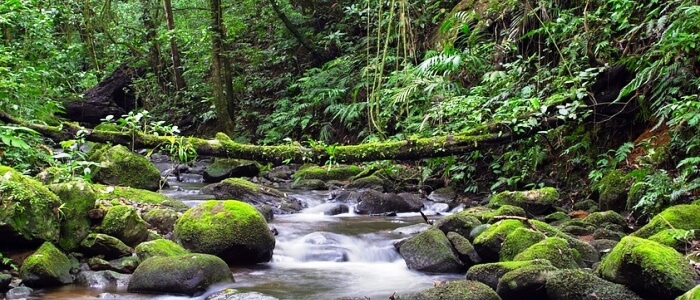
(246, 191)
(374, 202)
(223, 168)
(491, 273)
(47, 267)
(534, 202)
(648, 268)
(138, 197)
(431, 251)
(684, 216)
(488, 244)
(78, 199)
(30, 212)
(465, 250)
(459, 289)
(459, 222)
(554, 249)
(125, 265)
(120, 166)
(230, 229)
(517, 241)
(159, 247)
(124, 223)
(443, 195)
(188, 274)
(486, 215)
(372, 182)
(109, 247)
(102, 279)
(526, 283)
(161, 219)
(567, 284)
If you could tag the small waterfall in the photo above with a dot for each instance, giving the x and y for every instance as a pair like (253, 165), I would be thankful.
(332, 247)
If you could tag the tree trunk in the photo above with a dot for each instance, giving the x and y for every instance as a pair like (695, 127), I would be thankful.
(223, 146)
(174, 53)
(148, 18)
(319, 56)
(222, 85)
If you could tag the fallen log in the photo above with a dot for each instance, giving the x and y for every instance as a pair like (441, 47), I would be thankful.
(223, 146)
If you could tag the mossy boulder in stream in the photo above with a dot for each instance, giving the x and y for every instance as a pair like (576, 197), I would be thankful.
(246, 191)
(47, 267)
(517, 241)
(555, 250)
(459, 289)
(162, 219)
(650, 269)
(431, 251)
(567, 284)
(486, 215)
(98, 244)
(534, 202)
(326, 173)
(78, 199)
(675, 238)
(223, 168)
(491, 273)
(693, 294)
(188, 274)
(459, 222)
(372, 182)
(684, 216)
(488, 244)
(120, 166)
(525, 283)
(30, 211)
(138, 197)
(124, 223)
(159, 247)
(230, 229)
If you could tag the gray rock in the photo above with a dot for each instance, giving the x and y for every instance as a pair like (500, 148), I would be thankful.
(431, 251)
(102, 279)
(20, 292)
(233, 294)
(188, 274)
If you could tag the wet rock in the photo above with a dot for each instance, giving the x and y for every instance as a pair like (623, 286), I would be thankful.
(612, 190)
(412, 229)
(603, 246)
(328, 209)
(603, 218)
(660, 272)
(102, 279)
(518, 241)
(246, 191)
(232, 230)
(431, 251)
(675, 217)
(124, 223)
(443, 195)
(279, 174)
(162, 219)
(414, 200)
(47, 267)
(310, 184)
(20, 292)
(461, 223)
(466, 252)
(373, 202)
(233, 294)
(586, 205)
(588, 254)
(371, 182)
(603, 233)
(267, 211)
(554, 249)
(188, 274)
(325, 247)
(525, 283)
(534, 202)
(120, 166)
(105, 245)
(488, 244)
(78, 199)
(223, 168)
(491, 273)
(125, 265)
(579, 284)
(159, 247)
(459, 289)
(486, 215)
(345, 196)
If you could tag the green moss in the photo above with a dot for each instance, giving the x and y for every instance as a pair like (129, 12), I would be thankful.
(605, 217)
(556, 217)
(124, 223)
(490, 273)
(159, 247)
(460, 223)
(517, 241)
(674, 238)
(486, 215)
(309, 184)
(648, 267)
(48, 266)
(679, 217)
(534, 201)
(325, 173)
(188, 274)
(106, 126)
(554, 249)
(104, 245)
(431, 251)
(460, 289)
(612, 191)
(587, 205)
(579, 284)
(28, 208)
(588, 254)
(119, 166)
(525, 283)
(78, 199)
(488, 243)
(369, 182)
(693, 294)
(105, 192)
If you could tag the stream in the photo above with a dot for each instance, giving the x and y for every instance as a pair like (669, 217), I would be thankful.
(316, 257)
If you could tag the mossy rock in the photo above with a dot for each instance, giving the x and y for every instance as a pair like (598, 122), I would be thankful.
(607, 234)
(486, 215)
(232, 230)
(443, 195)
(491, 273)
(124, 223)
(105, 192)
(159, 247)
(325, 173)
(460, 223)
(612, 191)
(526, 283)
(431, 251)
(693, 294)
(49, 175)
(517, 241)
(124, 265)
(120, 166)
(554, 249)
(570, 284)
(78, 199)
(107, 126)
(488, 244)
(675, 238)
(98, 244)
(684, 216)
(188, 274)
(465, 250)
(47, 267)
(459, 289)
(30, 211)
(650, 269)
(603, 218)
(589, 255)
(246, 191)
(534, 202)
(588, 205)
(234, 294)
(223, 168)
(556, 217)
(372, 182)
(310, 184)
(162, 219)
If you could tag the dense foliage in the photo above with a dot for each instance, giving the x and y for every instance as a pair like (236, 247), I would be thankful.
(622, 75)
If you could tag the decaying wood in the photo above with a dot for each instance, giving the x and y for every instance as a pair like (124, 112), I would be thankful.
(223, 146)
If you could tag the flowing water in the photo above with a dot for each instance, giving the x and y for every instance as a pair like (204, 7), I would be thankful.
(316, 257)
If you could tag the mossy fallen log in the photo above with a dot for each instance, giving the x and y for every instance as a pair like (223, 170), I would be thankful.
(223, 146)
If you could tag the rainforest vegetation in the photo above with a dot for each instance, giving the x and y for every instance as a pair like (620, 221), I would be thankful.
(567, 92)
